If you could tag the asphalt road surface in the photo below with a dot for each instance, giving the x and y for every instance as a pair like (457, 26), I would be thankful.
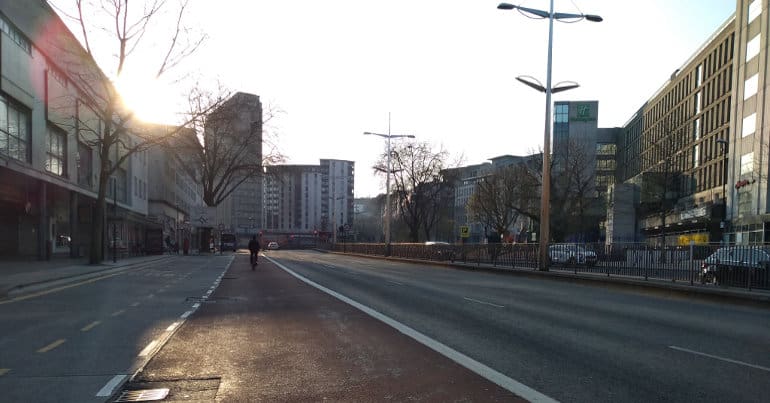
(567, 341)
(76, 344)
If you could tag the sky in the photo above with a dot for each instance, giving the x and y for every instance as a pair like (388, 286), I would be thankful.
(444, 70)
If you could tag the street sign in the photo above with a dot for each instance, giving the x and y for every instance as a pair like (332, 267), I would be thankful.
(203, 216)
(465, 231)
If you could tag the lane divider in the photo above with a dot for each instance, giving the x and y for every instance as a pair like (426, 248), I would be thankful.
(716, 357)
(154, 346)
(483, 302)
(484, 371)
(118, 313)
(90, 326)
(51, 346)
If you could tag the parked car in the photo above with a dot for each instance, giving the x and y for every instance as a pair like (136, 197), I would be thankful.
(272, 245)
(571, 254)
(732, 265)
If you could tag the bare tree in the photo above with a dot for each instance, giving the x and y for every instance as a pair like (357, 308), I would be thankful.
(419, 187)
(574, 189)
(495, 196)
(110, 30)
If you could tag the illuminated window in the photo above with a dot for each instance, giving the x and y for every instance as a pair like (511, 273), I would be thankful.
(749, 125)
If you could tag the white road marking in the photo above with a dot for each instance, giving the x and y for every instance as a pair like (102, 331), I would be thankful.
(110, 386)
(117, 313)
(172, 327)
(488, 373)
(483, 302)
(51, 346)
(135, 304)
(196, 305)
(716, 357)
(395, 282)
(186, 314)
(148, 349)
(4, 371)
(90, 326)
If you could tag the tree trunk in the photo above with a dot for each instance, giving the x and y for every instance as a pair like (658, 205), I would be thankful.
(96, 249)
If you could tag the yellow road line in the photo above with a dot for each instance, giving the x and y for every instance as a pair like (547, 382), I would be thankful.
(90, 326)
(116, 313)
(52, 346)
(4, 371)
(64, 287)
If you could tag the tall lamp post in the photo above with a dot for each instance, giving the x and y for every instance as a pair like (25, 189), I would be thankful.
(548, 90)
(387, 178)
(723, 224)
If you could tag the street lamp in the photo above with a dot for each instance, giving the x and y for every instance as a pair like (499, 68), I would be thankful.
(387, 179)
(548, 89)
(722, 224)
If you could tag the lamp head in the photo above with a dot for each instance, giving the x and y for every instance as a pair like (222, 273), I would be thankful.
(593, 18)
(505, 6)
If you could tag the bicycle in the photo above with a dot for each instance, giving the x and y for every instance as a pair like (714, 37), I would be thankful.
(254, 260)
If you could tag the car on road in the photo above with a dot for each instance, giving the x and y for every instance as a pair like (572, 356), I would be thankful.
(732, 265)
(571, 254)
(272, 245)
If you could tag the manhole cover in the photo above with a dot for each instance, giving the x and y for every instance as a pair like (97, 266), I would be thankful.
(145, 395)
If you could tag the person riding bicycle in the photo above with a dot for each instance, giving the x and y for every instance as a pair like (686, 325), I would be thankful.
(254, 249)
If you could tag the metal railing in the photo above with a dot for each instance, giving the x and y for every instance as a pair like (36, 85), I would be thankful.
(737, 266)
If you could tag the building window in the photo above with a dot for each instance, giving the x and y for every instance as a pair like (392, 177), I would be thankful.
(750, 86)
(56, 151)
(698, 76)
(752, 48)
(755, 8)
(606, 149)
(747, 163)
(561, 114)
(749, 125)
(15, 35)
(14, 130)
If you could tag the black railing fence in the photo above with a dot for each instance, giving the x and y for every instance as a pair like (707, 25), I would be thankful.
(740, 266)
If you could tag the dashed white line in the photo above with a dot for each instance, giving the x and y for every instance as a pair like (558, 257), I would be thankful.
(52, 346)
(110, 386)
(395, 282)
(172, 327)
(196, 305)
(716, 357)
(117, 313)
(90, 326)
(136, 304)
(483, 302)
(148, 349)
(186, 314)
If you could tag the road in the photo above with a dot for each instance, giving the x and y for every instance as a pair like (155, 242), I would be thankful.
(76, 344)
(568, 341)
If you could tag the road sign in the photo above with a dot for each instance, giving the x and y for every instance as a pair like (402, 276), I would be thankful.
(465, 231)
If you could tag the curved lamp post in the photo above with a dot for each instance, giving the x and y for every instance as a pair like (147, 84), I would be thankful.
(387, 180)
(548, 90)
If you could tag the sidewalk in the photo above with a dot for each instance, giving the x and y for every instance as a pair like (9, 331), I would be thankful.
(19, 277)
(265, 336)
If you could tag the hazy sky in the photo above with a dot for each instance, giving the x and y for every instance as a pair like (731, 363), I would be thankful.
(444, 69)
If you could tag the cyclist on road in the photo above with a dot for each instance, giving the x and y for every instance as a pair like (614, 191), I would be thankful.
(254, 249)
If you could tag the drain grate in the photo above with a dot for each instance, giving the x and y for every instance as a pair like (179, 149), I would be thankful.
(146, 395)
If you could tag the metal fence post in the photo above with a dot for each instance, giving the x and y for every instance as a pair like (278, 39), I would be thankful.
(692, 263)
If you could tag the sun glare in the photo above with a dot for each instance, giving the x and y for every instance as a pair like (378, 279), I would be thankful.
(150, 99)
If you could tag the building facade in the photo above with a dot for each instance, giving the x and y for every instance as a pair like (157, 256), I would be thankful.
(48, 171)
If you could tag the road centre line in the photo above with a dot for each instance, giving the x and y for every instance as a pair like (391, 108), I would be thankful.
(90, 326)
(186, 314)
(107, 389)
(118, 313)
(716, 357)
(4, 371)
(477, 367)
(151, 296)
(395, 282)
(135, 304)
(148, 349)
(483, 302)
(196, 305)
(51, 346)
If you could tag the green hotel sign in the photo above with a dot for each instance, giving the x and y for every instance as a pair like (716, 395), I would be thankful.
(582, 113)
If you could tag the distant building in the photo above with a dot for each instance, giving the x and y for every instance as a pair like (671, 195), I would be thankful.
(308, 199)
